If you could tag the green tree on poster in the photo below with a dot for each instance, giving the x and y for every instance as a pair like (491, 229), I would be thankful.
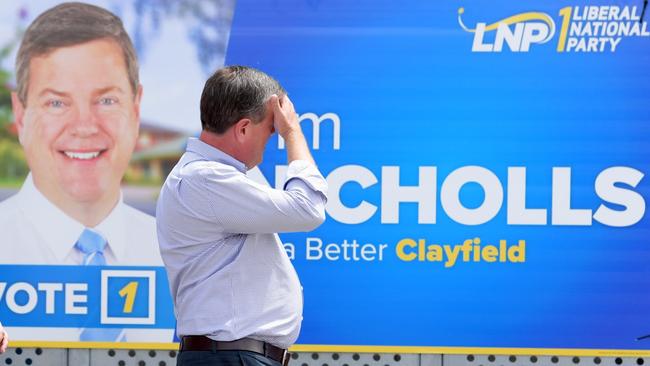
(13, 167)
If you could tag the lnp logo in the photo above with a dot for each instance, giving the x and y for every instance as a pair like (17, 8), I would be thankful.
(582, 29)
(530, 28)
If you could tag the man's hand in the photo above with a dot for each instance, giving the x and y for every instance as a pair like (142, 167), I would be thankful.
(4, 339)
(285, 119)
(285, 122)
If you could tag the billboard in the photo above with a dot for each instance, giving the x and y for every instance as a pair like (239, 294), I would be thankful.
(486, 167)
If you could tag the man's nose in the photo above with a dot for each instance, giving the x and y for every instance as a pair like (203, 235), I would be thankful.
(84, 122)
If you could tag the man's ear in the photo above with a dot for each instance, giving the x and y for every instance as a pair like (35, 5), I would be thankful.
(241, 129)
(19, 112)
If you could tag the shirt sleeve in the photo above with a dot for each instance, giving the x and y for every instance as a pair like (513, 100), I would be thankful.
(244, 206)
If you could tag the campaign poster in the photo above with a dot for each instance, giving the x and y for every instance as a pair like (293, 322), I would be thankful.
(486, 168)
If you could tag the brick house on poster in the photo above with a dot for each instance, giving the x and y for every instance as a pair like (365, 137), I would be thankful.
(156, 152)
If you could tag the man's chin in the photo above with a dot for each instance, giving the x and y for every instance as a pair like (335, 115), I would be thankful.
(87, 190)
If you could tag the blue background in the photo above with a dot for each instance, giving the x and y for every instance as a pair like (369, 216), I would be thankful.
(410, 93)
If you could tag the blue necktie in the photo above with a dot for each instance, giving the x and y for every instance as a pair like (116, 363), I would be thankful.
(92, 245)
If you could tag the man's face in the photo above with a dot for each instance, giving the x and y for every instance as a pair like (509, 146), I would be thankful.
(260, 136)
(80, 122)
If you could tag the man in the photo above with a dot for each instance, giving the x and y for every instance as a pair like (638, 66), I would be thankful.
(236, 294)
(77, 111)
(4, 339)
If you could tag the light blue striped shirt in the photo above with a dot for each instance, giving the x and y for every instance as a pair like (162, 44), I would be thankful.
(229, 274)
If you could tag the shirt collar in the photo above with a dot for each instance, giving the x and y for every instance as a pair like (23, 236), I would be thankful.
(113, 228)
(210, 152)
(60, 231)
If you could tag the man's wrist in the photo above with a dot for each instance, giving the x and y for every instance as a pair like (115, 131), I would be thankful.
(293, 134)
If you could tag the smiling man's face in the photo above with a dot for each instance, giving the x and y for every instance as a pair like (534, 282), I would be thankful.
(80, 122)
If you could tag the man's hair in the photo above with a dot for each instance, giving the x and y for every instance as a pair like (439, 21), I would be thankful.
(233, 93)
(70, 24)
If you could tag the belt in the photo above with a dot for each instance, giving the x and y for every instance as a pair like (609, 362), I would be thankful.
(202, 343)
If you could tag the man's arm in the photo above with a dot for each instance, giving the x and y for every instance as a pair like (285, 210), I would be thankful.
(4, 339)
(244, 206)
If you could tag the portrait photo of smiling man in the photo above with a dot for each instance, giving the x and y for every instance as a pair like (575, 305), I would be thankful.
(77, 113)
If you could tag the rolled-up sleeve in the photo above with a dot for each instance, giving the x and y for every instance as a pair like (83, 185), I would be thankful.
(244, 206)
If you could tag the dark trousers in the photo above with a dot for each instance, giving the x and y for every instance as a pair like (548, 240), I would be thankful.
(223, 358)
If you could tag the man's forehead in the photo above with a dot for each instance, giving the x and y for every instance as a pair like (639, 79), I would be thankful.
(103, 55)
(93, 66)
(108, 45)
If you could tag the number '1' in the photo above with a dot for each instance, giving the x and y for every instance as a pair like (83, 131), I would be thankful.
(129, 292)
